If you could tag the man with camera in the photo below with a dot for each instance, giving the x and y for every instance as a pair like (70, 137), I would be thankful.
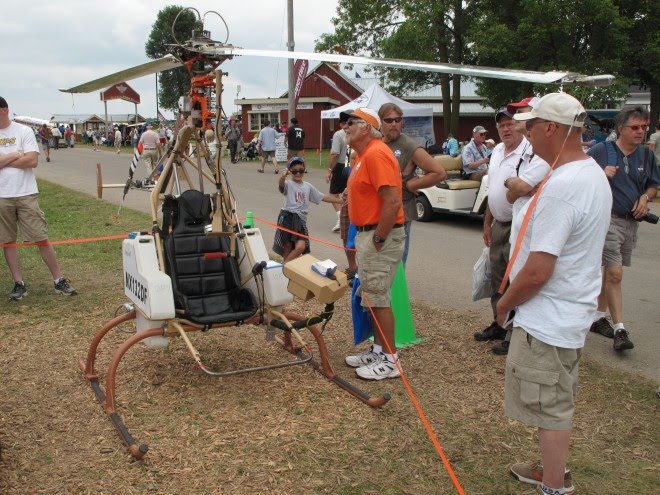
(633, 174)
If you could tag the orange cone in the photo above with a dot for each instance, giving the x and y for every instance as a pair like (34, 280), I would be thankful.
(303, 152)
(318, 151)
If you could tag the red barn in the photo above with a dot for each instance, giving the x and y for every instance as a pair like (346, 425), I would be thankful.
(324, 88)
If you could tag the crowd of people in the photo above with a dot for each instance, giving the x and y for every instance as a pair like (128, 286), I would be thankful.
(560, 224)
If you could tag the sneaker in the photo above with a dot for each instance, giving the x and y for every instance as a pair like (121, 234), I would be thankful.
(501, 348)
(260, 171)
(337, 227)
(532, 473)
(62, 286)
(277, 170)
(47, 158)
(19, 291)
(621, 340)
(378, 370)
(603, 327)
(362, 359)
(493, 332)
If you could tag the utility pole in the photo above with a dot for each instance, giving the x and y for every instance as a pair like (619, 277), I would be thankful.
(291, 44)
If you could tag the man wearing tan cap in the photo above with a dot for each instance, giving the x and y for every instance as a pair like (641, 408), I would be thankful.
(375, 208)
(555, 280)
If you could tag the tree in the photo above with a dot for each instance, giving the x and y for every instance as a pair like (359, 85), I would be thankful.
(175, 82)
(588, 37)
(425, 30)
(642, 64)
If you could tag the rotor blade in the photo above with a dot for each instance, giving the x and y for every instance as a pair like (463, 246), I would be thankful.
(464, 70)
(165, 63)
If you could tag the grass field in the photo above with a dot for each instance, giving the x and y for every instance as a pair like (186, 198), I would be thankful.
(277, 432)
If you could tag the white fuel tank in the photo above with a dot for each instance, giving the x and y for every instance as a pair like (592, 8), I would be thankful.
(275, 283)
(146, 286)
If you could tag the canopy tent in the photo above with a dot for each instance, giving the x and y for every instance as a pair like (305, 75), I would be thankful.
(418, 119)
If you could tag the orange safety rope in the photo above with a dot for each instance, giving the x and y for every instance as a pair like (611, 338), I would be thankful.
(70, 241)
(303, 236)
(420, 412)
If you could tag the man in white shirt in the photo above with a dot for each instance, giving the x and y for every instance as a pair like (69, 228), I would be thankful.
(117, 139)
(19, 205)
(504, 161)
(555, 281)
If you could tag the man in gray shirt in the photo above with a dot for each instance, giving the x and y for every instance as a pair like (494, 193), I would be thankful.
(267, 138)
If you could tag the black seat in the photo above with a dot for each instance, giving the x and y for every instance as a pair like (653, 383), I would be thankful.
(207, 289)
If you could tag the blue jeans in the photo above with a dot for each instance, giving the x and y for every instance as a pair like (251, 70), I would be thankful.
(406, 229)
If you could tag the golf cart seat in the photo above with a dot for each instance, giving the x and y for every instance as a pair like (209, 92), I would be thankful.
(453, 167)
(205, 277)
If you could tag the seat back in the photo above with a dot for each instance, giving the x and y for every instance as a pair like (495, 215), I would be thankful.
(206, 288)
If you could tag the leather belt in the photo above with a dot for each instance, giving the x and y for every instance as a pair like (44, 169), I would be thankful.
(627, 216)
(367, 228)
(150, 148)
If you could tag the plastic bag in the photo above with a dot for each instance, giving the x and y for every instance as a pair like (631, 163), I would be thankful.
(481, 277)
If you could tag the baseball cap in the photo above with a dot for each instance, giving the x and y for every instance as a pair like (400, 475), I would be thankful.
(3, 103)
(503, 112)
(148, 124)
(367, 114)
(296, 160)
(490, 141)
(479, 129)
(526, 102)
(557, 107)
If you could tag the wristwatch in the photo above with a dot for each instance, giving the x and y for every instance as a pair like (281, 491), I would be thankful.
(378, 239)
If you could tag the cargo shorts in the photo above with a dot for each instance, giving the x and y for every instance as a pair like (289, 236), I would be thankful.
(540, 382)
(620, 241)
(22, 212)
(377, 269)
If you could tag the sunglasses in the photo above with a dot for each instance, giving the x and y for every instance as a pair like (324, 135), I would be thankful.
(389, 120)
(637, 127)
(298, 171)
(532, 122)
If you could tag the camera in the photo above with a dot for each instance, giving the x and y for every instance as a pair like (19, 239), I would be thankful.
(650, 218)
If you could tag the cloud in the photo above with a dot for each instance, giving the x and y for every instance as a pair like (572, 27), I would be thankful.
(55, 45)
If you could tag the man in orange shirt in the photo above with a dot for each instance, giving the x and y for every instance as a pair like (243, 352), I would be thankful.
(375, 208)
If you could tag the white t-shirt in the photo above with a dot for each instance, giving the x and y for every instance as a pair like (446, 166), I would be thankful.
(339, 146)
(532, 172)
(502, 167)
(570, 221)
(16, 182)
(297, 197)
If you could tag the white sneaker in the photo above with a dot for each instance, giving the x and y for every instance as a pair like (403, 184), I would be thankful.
(379, 370)
(337, 226)
(362, 359)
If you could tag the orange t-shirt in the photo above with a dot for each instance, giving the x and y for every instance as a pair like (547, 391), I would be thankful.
(374, 168)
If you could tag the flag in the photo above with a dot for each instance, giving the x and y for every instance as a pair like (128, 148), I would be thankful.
(357, 75)
(300, 72)
(161, 117)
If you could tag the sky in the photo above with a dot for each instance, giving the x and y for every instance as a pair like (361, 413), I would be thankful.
(46, 45)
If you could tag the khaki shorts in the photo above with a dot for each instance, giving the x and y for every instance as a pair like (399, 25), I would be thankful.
(540, 382)
(620, 241)
(377, 269)
(150, 158)
(24, 213)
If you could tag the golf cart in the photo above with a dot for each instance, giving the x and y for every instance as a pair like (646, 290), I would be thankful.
(454, 195)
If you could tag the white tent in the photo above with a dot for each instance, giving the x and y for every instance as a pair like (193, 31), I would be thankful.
(373, 98)
(418, 119)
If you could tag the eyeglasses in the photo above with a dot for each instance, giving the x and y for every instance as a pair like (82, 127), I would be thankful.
(351, 122)
(298, 171)
(637, 127)
(389, 120)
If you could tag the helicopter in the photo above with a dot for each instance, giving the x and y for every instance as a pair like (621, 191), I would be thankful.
(200, 267)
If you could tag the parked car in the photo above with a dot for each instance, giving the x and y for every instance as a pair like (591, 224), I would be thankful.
(455, 196)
